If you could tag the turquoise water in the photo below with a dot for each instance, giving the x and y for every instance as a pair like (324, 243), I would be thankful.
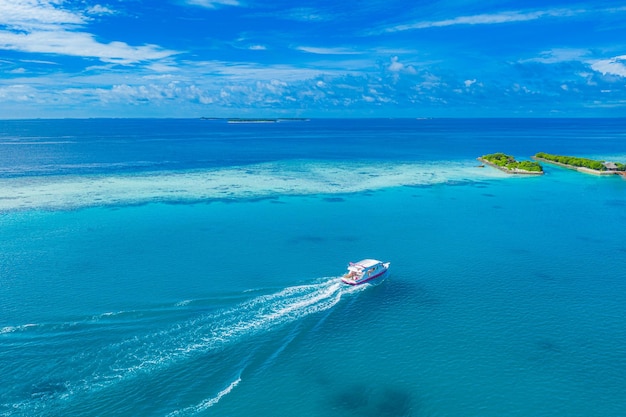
(134, 291)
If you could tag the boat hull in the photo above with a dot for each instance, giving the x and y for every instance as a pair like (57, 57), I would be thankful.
(366, 280)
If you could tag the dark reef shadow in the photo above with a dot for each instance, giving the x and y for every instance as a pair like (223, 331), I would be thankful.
(319, 240)
(459, 183)
(615, 203)
(373, 400)
(353, 398)
(588, 239)
(546, 345)
(47, 389)
(544, 276)
(418, 185)
(394, 402)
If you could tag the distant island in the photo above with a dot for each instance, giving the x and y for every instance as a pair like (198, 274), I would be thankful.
(589, 166)
(508, 164)
(256, 120)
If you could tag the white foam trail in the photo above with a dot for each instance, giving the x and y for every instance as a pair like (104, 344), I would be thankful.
(206, 404)
(13, 329)
(257, 315)
(253, 181)
(156, 351)
(270, 360)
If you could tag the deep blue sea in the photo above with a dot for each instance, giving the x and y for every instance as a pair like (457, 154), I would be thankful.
(191, 268)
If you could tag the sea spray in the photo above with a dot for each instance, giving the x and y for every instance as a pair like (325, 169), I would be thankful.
(211, 401)
(152, 352)
(207, 403)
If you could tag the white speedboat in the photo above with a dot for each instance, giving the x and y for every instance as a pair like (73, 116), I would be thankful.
(365, 271)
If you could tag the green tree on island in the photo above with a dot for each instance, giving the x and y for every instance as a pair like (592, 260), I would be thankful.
(578, 162)
(509, 162)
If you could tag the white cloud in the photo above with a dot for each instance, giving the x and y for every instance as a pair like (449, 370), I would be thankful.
(468, 83)
(521, 89)
(28, 15)
(17, 93)
(298, 14)
(304, 14)
(100, 10)
(38, 61)
(212, 4)
(555, 56)
(394, 51)
(257, 48)
(397, 66)
(429, 82)
(80, 44)
(140, 94)
(327, 51)
(44, 26)
(611, 66)
(487, 19)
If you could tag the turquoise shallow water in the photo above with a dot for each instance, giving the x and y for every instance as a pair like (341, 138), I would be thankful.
(506, 296)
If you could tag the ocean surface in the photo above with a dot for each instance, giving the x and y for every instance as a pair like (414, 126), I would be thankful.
(191, 268)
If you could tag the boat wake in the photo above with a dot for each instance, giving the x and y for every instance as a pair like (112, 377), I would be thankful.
(207, 403)
(130, 353)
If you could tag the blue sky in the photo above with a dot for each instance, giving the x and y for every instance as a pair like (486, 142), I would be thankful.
(366, 58)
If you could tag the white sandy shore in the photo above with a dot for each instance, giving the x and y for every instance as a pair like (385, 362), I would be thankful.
(254, 181)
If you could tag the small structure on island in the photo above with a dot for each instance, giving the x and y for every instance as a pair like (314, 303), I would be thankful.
(588, 166)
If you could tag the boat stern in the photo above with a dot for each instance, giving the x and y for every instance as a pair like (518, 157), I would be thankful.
(349, 281)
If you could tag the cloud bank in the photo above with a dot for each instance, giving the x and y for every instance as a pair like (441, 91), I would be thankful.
(189, 58)
(46, 27)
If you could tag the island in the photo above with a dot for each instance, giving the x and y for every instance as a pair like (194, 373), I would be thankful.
(508, 164)
(256, 120)
(589, 166)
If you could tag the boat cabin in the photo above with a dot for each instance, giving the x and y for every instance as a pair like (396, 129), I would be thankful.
(364, 270)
